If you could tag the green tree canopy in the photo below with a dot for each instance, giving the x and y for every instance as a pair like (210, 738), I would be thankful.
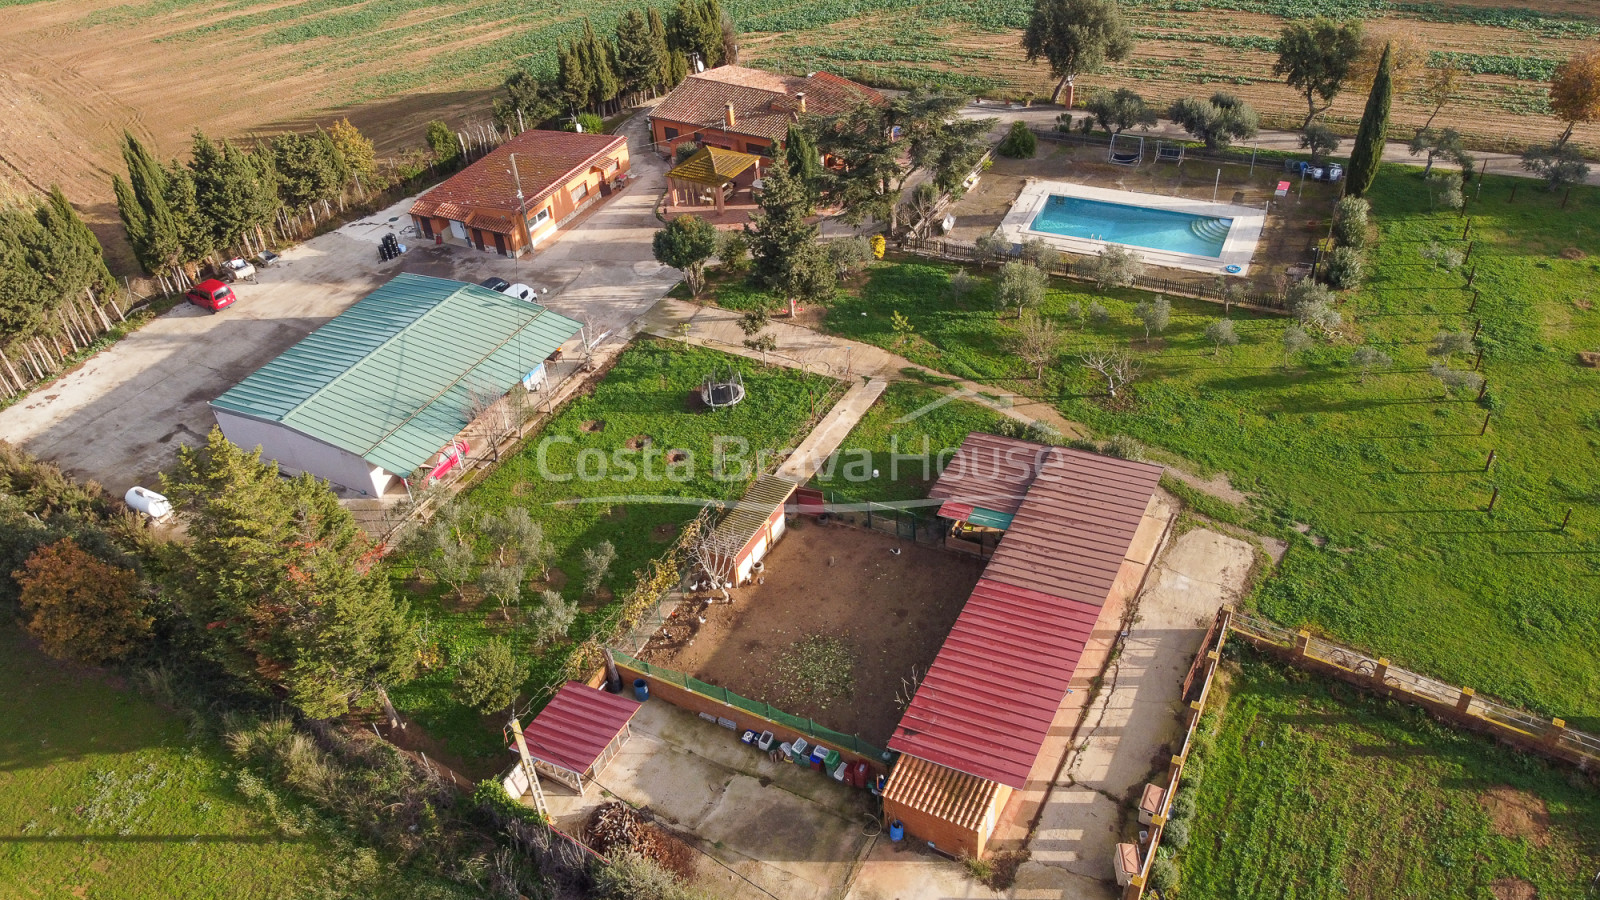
(279, 585)
(1315, 58)
(1218, 121)
(142, 203)
(528, 102)
(442, 141)
(663, 53)
(803, 160)
(1076, 37)
(786, 255)
(1121, 109)
(686, 243)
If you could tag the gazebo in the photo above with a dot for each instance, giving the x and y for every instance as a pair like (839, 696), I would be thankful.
(711, 176)
(577, 733)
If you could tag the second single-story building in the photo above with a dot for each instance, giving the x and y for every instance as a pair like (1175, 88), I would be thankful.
(384, 387)
(748, 110)
(521, 193)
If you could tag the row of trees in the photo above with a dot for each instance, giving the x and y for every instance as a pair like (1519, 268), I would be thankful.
(645, 56)
(226, 198)
(49, 262)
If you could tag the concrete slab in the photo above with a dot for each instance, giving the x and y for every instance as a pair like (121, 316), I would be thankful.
(786, 829)
(831, 431)
(1133, 723)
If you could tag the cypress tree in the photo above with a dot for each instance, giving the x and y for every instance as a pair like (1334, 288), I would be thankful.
(1368, 150)
(663, 53)
(677, 67)
(573, 77)
(22, 284)
(802, 159)
(158, 243)
(710, 33)
(597, 60)
(638, 62)
(74, 259)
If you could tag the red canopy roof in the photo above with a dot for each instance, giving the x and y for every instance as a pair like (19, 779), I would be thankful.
(988, 471)
(577, 726)
(986, 704)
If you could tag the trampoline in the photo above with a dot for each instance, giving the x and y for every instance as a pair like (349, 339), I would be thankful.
(721, 392)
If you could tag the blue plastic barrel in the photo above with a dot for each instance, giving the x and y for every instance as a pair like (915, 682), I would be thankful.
(897, 830)
(641, 689)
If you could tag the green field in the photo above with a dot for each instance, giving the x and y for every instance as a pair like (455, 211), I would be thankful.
(1385, 478)
(1310, 789)
(905, 432)
(645, 395)
(106, 795)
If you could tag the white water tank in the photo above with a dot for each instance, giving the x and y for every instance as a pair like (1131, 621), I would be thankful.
(148, 502)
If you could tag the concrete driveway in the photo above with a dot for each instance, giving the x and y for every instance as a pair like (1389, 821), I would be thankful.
(120, 417)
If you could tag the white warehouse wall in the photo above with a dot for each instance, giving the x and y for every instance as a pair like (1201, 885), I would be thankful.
(296, 452)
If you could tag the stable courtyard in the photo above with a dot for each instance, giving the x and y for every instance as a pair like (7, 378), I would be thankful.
(835, 628)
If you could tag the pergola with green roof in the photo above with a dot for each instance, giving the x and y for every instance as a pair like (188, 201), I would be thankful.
(710, 175)
(377, 392)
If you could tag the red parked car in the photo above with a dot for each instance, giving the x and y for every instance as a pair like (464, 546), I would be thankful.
(211, 294)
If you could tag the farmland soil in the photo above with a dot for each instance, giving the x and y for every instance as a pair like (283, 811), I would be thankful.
(831, 581)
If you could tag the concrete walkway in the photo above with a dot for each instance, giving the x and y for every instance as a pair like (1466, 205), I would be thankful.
(831, 431)
(1133, 723)
(802, 348)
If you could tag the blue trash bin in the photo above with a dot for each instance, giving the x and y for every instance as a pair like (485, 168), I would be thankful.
(641, 689)
(897, 830)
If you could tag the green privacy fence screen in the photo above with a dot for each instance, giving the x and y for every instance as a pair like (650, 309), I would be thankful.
(825, 736)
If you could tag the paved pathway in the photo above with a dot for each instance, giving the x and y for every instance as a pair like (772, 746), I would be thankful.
(831, 431)
(803, 348)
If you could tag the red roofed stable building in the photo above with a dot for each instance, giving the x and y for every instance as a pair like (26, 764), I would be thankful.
(558, 173)
(1070, 523)
(748, 110)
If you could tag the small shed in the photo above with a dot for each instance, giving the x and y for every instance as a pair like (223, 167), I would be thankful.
(750, 528)
(578, 732)
(954, 811)
(1150, 802)
(1126, 862)
(711, 176)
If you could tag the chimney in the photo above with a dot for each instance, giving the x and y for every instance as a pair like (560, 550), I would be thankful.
(801, 99)
(727, 116)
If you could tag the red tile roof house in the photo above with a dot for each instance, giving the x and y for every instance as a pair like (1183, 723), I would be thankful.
(560, 174)
(748, 110)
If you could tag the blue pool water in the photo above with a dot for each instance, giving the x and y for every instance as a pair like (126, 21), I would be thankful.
(1136, 226)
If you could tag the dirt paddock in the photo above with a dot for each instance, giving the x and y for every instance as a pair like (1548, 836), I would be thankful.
(842, 585)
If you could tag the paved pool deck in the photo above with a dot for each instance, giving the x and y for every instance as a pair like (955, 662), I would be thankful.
(1237, 250)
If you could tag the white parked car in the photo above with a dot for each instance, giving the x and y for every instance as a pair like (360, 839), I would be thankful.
(239, 269)
(522, 292)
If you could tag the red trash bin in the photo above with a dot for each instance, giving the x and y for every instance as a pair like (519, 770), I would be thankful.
(860, 773)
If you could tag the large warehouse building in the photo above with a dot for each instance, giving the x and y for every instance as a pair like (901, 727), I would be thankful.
(382, 388)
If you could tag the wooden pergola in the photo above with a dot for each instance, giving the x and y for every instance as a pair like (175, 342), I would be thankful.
(711, 176)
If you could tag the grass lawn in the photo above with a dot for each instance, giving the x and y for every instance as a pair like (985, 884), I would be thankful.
(645, 397)
(1310, 788)
(103, 794)
(905, 432)
(1385, 475)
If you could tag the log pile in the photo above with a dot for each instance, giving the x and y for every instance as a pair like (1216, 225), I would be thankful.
(617, 827)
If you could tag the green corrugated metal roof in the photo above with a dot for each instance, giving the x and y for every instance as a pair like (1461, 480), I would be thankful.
(390, 378)
(988, 518)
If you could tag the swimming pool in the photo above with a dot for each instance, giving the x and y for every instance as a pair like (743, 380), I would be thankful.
(1137, 226)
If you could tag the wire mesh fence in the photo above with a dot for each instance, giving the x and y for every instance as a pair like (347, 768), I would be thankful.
(805, 726)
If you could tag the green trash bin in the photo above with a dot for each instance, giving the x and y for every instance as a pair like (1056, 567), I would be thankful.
(831, 762)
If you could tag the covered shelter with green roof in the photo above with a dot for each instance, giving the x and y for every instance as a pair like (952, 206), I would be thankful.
(711, 176)
(385, 387)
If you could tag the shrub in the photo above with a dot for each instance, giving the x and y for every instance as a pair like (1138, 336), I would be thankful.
(1164, 876)
(1098, 315)
(491, 797)
(849, 256)
(1183, 806)
(1019, 142)
(1175, 835)
(1346, 269)
(1123, 447)
(1038, 253)
(1558, 164)
(1350, 221)
(79, 607)
(630, 876)
(734, 251)
(1456, 381)
(590, 123)
(490, 676)
(1020, 285)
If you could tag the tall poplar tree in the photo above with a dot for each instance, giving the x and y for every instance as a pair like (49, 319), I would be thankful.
(638, 59)
(1367, 153)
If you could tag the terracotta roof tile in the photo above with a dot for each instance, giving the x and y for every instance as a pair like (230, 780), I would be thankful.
(545, 161)
(764, 103)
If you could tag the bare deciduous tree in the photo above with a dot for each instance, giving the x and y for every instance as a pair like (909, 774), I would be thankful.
(714, 554)
(1038, 342)
(1117, 368)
